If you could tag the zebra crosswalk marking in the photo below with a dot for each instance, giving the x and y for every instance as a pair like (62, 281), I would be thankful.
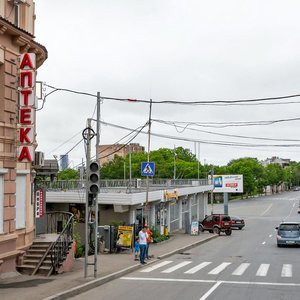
(263, 270)
(198, 267)
(241, 269)
(176, 267)
(162, 264)
(219, 268)
(287, 270)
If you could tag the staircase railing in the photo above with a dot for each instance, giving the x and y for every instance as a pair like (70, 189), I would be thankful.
(60, 223)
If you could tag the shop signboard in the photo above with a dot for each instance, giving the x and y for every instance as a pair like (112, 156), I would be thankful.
(26, 107)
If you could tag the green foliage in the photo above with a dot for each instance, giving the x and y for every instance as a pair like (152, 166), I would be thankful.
(252, 171)
(79, 246)
(256, 176)
(68, 174)
(157, 236)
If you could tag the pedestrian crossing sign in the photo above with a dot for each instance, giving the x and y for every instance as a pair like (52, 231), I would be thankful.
(148, 168)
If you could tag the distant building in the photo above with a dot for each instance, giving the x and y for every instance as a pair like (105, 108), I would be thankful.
(284, 162)
(64, 162)
(108, 152)
(49, 170)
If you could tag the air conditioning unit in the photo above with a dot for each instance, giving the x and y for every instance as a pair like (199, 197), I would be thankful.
(38, 159)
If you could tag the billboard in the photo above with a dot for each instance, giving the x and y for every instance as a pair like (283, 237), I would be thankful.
(228, 183)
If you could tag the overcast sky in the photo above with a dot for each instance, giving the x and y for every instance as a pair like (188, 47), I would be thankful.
(171, 50)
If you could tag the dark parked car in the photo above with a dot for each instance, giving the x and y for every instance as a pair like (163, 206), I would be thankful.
(237, 222)
(288, 233)
(216, 223)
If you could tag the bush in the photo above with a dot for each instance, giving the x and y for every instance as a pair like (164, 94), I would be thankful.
(157, 236)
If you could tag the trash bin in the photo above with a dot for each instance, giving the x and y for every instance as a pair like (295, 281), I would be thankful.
(166, 231)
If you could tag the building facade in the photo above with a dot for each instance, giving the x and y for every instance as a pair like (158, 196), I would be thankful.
(20, 57)
(108, 152)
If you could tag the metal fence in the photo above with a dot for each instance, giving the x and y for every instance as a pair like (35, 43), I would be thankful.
(129, 186)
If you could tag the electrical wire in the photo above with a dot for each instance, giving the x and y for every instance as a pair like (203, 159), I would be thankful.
(219, 134)
(187, 102)
(65, 142)
(124, 145)
(221, 143)
(224, 124)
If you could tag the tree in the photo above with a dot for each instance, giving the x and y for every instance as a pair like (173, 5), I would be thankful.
(68, 174)
(252, 171)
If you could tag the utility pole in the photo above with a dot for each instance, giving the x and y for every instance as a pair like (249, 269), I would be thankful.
(198, 161)
(91, 202)
(148, 159)
(96, 202)
(130, 170)
(174, 174)
(212, 190)
(88, 158)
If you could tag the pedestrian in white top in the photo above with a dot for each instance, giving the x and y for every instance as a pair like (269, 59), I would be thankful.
(143, 244)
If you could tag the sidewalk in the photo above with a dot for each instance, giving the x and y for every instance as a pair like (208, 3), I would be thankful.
(109, 266)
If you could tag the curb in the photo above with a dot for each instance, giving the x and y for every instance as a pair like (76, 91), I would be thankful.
(102, 280)
(180, 250)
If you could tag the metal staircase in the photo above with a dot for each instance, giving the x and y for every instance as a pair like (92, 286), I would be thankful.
(48, 252)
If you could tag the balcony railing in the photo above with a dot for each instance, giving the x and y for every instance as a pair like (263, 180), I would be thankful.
(129, 186)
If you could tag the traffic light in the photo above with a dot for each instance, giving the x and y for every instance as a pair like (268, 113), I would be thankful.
(94, 178)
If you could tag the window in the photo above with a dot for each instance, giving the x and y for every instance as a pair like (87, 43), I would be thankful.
(20, 201)
(1, 202)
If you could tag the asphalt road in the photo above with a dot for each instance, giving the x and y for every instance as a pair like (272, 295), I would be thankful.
(246, 265)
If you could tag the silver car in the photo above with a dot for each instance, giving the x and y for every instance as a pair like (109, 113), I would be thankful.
(288, 233)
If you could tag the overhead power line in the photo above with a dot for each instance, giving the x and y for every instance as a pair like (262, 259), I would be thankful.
(187, 127)
(220, 143)
(255, 101)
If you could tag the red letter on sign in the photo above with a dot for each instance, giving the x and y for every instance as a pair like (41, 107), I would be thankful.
(25, 116)
(25, 93)
(23, 135)
(27, 75)
(25, 154)
(26, 61)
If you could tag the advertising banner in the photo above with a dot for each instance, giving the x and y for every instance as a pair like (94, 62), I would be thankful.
(124, 237)
(228, 183)
(195, 228)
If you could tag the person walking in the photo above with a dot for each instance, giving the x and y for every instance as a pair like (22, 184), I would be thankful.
(149, 240)
(143, 244)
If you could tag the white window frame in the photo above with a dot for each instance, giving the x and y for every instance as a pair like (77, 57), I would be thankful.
(21, 196)
(2, 172)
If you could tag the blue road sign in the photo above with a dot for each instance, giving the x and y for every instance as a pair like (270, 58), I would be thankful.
(148, 168)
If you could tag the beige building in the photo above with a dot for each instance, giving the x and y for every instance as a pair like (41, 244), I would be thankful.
(108, 152)
(20, 57)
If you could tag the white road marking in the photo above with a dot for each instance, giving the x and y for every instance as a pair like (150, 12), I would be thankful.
(219, 268)
(151, 268)
(209, 292)
(211, 281)
(263, 270)
(241, 269)
(263, 242)
(178, 266)
(287, 270)
(198, 267)
(270, 235)
(267, 209)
